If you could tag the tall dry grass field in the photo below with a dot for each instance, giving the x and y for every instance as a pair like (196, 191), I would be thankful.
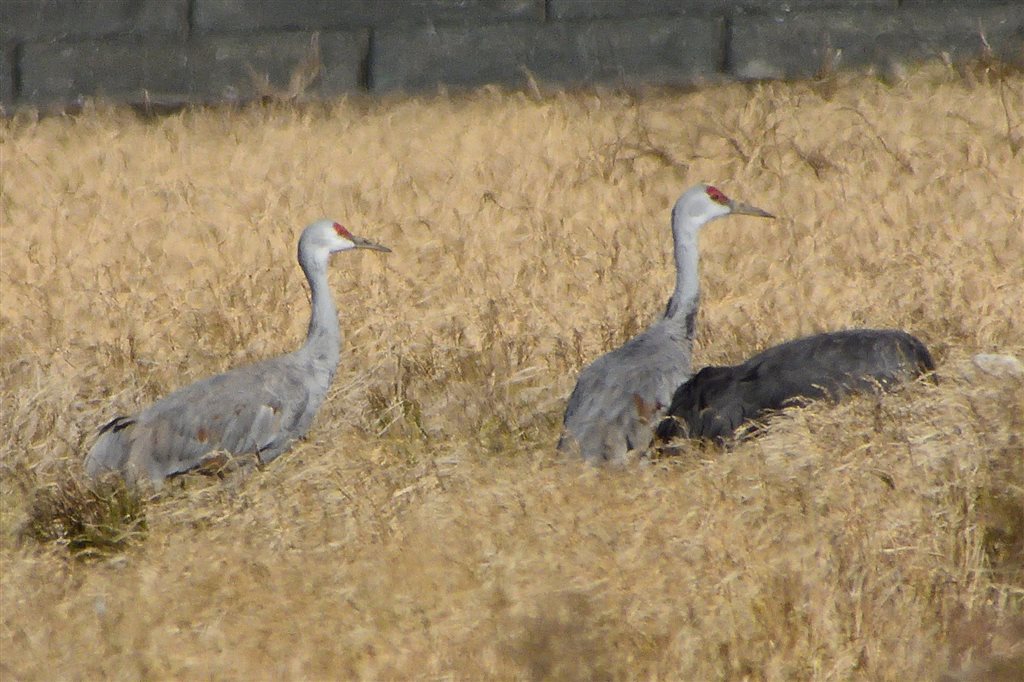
(426, 528)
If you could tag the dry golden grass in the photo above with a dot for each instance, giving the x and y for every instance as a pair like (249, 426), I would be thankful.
(426, 529)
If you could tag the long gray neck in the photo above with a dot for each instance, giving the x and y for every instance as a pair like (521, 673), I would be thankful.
(685, 302)
(323, 339)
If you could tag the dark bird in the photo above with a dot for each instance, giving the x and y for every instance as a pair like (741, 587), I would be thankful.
(718, 400)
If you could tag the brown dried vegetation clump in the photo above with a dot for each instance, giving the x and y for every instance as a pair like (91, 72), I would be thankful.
(89, 518)
(426, 529)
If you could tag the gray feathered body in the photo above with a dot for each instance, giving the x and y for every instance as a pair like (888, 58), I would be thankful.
(257, 409)
(718, 400)
(620, 396)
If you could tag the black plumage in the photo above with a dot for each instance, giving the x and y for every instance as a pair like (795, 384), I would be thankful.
(718, 400)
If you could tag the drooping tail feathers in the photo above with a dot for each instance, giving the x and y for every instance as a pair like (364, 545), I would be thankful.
(111, 449)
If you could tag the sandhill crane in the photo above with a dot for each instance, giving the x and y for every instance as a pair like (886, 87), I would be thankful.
(257, 409)
(617, 398)
(718, 400)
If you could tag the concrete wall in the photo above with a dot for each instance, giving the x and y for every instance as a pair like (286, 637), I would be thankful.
(167, 52)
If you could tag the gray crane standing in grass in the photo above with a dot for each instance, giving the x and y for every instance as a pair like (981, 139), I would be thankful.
(718, 400)
(257, 409)
(618, 396)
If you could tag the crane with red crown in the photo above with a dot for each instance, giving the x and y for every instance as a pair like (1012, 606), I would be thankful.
(620, 396)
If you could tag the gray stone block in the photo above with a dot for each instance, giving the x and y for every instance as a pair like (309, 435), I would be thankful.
(596, 9)
(229, 67)
(34, 20)
(797, 46)
(675, 52)
(7, 77)
(214, 68)
(246, 15)
(57, 73)
(956, 4)
(344, 55)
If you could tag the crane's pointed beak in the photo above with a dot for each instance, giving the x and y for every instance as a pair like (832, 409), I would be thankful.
(747, 209)
(362, 243)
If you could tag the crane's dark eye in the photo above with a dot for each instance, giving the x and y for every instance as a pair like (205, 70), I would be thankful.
(716, 195)
(342, 232)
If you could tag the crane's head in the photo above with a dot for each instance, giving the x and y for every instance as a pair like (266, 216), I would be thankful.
(329, 236)
(703, 203)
